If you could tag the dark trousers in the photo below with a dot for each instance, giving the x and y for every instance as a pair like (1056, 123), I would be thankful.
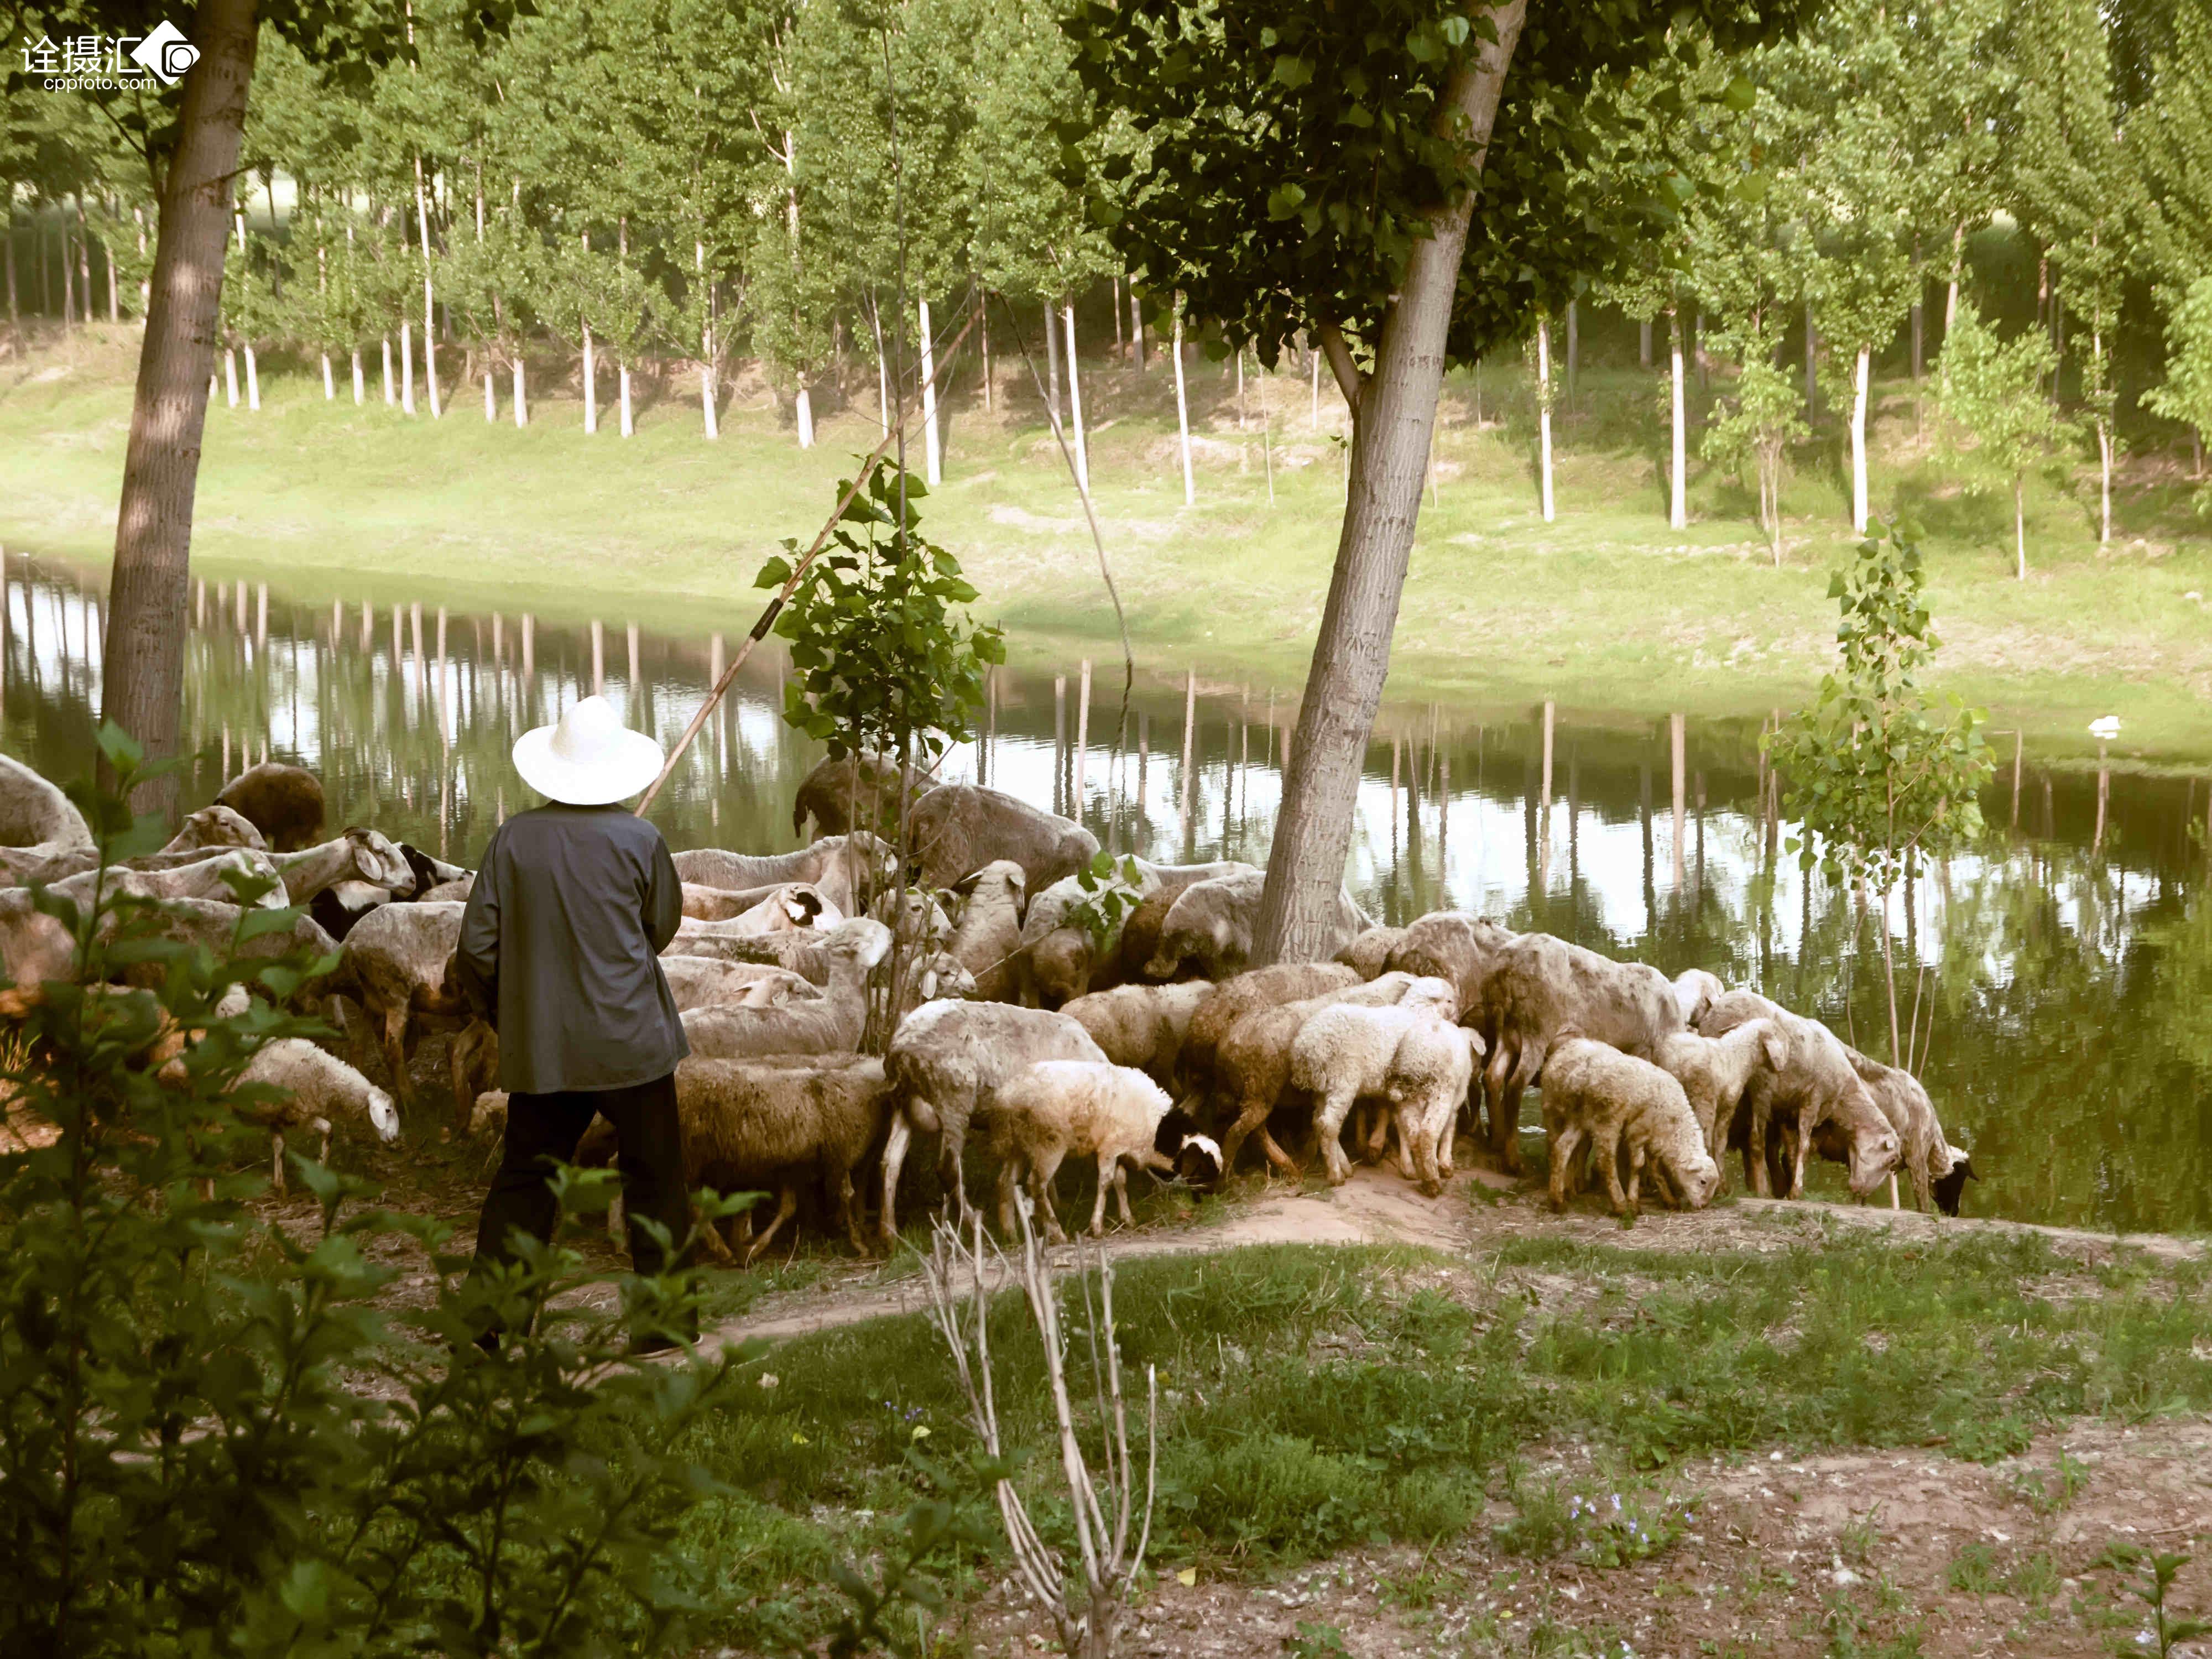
(543, 1130)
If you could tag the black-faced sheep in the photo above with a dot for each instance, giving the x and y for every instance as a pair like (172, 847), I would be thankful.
(947, 1061)
(1090, 1109)
(283, 802)
(1595, 1095)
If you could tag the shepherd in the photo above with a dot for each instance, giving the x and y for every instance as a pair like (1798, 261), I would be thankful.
(560, 950)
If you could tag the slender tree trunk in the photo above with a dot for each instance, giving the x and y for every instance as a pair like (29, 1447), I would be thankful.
(2104, 472)
(882, 368)
(622, 381)
(429, 298)
(2019, 528)
(1678, 510)
(521, 395)
(932, 460)
(387, 371)
(591, 384)
(406, 367)
(142, 655)
(360, 391)
(491, 397)
(1393, 416)
(252, 379)
(1574, 349)
(1812, 380)
(1643, 342)
(803, 410)
(69, 283)
(1118, 347)
(1075, 408)
(230, 376)
(983, 333)
(1957, 269)
(1051, 364)
(8, 258)
(1543, 412)
(1858, 438)
(1182, 411)
(1136, 329)
(707, 413)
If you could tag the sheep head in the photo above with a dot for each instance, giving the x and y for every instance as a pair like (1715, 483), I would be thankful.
(376, 859)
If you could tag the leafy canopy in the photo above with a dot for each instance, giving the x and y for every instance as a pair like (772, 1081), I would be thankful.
(1998, 423)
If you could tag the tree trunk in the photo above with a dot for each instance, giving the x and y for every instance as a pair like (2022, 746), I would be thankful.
(329, 382)
(622, 381)
(1644, 343)
(1544, 412)
(2104, 472)
(591, 384)
(1051, 366)
(1958, 266)
(1678, 511)
(2019, 534)
(1858, 438)
(406, 367)
(360, 391)
(1574, 349)
(803, 408)
(230, 376)
(1136, 330)
(143, 648)
(932, 460)
(252, 379)
(521, 399)
(1393, 420)
(1182, 411)
(1075, 409)
(1812, 380)
(983, 332)
(387, 371)
(429, 299)
(708, 416)
(491, 397)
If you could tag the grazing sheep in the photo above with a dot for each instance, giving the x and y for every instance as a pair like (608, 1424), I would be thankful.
(213, 925)
(1089, 1108)
(839, 795)
(1925, 1153)
(947, 1061)
(1714, 1072)
(1062, 962)
(703, 982)
(399, 956)
(829, 1024)
(1233, 998)
(1426, 1090)
(308, 1088)
(988, 939)
(1345, 1051)
(212, 827)
(1369, 955)
(1815, 1085)
(1252, 1061)
(849, 870)
(1141, 1025)
(356, 855)
(1539, 985)
(1211, 925)
(771, 1122)
(285, 803)
(207, 876)
(1455, 946)
(1694, 992)
(1951, 1188)
(958, 828)
(1595, 1094)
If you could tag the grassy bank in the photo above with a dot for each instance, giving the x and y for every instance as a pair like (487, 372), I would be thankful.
(1320, 1401)
(1605, 609)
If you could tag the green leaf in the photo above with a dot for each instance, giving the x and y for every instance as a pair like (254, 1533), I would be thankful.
(774, 573)
(1293, 71)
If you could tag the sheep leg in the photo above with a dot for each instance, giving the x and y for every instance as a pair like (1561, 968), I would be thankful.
(1635, 1177)
(1251, 1115)
(1893, 1204)
(716, 1244)
(849, 1210)
(321, 1126)
(894, 1146)
(1564, 1145)
(395, 1050)
(1800, 1152)
(1110, 1164)
(1012, 1167)
(787, 1206)
(1276, 1156)
(1328, 1134)
(277, 1162)
(1044, 1168)
(1122, 1193)
(1378, 1132)
(1754, 1154)
(1605, 1151)
(1494, 1074)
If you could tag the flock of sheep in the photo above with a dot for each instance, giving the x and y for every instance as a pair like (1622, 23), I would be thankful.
(1158, 1050)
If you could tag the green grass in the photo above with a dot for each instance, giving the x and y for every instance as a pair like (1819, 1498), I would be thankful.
(1322, 1398)
(1605, 610)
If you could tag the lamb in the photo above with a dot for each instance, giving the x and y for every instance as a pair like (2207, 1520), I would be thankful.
(283, 802)
(1212, 924)
(1924, 1154)
(832, 1023)
(1816, 1085)
(846, 869)
(1539, 985)
(1595, 1094)
(988, 939)
(1233, 998)
(759, 910)
(213, 827)
(1089, 1108)
(1369, 955)
(946, 1062)
(306, 1088)
(1345, 1052)
(1141, 1025)
(1252, 1063)
(930, 975)
(400, 959)
(957, 828)
(839, 795)
(1714, 1072)
(774, 1122)
(1695, 991)
(703, 982)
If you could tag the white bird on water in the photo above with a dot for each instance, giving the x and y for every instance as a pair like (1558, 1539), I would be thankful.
(2104, 727)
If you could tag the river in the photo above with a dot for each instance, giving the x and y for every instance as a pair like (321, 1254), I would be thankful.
(2061, 974)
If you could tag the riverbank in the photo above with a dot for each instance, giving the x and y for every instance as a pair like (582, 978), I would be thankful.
(1604, 608)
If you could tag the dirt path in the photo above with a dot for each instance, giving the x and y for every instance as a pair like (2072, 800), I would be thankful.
(1376, 1207)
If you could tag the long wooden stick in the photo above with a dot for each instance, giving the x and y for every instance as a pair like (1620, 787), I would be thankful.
(775, 606)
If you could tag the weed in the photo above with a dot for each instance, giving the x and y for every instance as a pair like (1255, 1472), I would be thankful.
(2034, 1580)
(1974, 1570)
(1422, 1588)
(2167, 1629)
(1317, 1641)
(1856, 1540)
(2048, 1492)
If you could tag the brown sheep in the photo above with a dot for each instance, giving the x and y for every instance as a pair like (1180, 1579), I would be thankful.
(285, 803)
(842, 795)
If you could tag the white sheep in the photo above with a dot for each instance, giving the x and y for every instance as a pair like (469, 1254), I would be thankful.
(1087, 1108)
(826, 1024)
(1426, 1090)
(1714, 1072)
(1695, 991)
(1141, 1025)
(311, 1088)
(988, 938)
(1595, 1096)
(706, 982)
(1344, 1052)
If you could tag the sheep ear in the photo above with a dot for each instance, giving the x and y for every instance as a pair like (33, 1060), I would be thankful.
(929, 985)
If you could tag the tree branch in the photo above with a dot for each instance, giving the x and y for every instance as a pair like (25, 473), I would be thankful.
(1349, 380)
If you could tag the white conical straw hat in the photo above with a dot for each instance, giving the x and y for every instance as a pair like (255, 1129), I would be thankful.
(587, 757)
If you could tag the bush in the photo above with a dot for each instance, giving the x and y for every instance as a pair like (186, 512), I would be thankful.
(213, 1441)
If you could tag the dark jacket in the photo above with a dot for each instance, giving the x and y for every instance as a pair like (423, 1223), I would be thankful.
(560, 948)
